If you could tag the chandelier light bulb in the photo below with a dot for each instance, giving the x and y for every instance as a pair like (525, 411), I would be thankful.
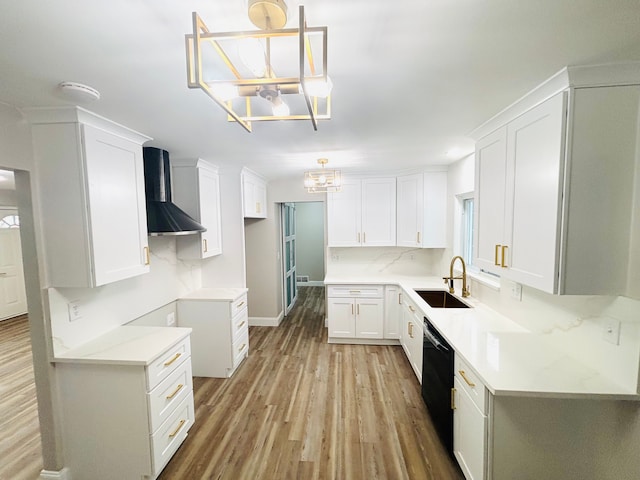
(281, 109)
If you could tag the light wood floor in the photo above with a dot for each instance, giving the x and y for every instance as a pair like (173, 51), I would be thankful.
(20, 450)
(299, 408)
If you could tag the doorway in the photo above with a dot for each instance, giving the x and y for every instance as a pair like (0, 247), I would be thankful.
(13, 299)
(303, 248)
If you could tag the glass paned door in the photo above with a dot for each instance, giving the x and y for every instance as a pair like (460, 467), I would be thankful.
(289, 260)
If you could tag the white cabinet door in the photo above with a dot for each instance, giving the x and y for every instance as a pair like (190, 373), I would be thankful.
(344, 215)
(415, 343)
(534, 172)
(491, 170)
(422, 210)
(13, 299)
(254, 195)
(369, 318)
(409, 215)
(379, 212)
(469, 434)
(341, 317)
(196, 189)
(392, 311)
(116, 204)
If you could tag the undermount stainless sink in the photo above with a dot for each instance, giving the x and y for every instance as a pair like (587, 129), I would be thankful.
(441, 299)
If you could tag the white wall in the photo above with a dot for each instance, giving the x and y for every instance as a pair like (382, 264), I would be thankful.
(310, 240)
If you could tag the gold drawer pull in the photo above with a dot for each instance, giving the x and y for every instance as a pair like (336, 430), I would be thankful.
(410, 328)
(242, 347)
(453, 399)
(418, 237)
(173, 394)
(175, 432)
(147, 260)
(240, 304)
(354, 291)
(206, 247)
(495, 260)
(469, 382)
(175, 357)
(504, 254)
(411, 308)
(400, 299)
(241, 325)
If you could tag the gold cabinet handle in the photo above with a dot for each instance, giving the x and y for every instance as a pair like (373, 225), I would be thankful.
(453, 399)
(410, 325)
(358, 237)
(173, 359)
(495, 262)
(503, 264)
(205, 245)
(240, 304)
(241, 325)
(353, 292)
(178, 428)
(364, 237)
(358, 309)
(400, 299)
(411, 308)
(257, 207)
(418, 235)
(464, 376)
(242, 347)
(147, 260)
(173, 394)
(352, 309)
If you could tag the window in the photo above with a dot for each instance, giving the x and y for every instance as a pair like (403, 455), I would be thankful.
(10, 221)
(466, 231)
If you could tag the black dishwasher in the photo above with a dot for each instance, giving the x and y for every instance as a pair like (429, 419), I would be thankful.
(437, 382)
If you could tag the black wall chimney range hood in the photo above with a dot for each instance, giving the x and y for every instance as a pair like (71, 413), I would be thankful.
(163, 216)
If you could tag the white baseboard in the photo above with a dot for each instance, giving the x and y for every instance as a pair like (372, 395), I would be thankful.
(364, 341)
(266, 321)
(63, 474)
(312, 283)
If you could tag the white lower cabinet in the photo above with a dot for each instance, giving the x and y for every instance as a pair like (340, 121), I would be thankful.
(412, 335)
(127, 403)
(355, 311)
(469, 421)
(392, 311)
(220, 324)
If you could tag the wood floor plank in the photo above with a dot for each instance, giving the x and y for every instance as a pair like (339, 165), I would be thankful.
(300, 408)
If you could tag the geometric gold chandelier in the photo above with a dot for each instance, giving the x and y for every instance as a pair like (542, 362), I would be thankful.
(323, 180)
(263, 75)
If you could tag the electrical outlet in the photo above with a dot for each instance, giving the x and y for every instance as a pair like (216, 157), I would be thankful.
(75, 313)
(611, 331)
(171, 319)
(516, 291)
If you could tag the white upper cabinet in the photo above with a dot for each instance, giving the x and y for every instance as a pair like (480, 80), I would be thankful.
(363, 213)
(90, 180)
(554, 191)
(254, 195)
(196, 190)
(422, 210)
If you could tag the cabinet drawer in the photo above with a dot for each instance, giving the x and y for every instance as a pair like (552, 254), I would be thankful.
(239, 304)
(239, 325)
(370, 291)
(166, 363)
(171, 434)
(240, 349)
(471, 384)
(169, 394)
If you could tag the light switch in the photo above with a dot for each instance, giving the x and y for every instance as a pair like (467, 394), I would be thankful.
(516, 291)
(171, 319)
(75, 313)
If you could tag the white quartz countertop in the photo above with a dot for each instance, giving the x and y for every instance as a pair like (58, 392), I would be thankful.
(510, 359)
(222, 294)
(126, 345)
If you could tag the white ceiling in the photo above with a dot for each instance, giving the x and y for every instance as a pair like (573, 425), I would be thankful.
(411, 78)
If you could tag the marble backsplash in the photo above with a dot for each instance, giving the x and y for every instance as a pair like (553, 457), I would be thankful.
(104, 308)
(392, 260)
